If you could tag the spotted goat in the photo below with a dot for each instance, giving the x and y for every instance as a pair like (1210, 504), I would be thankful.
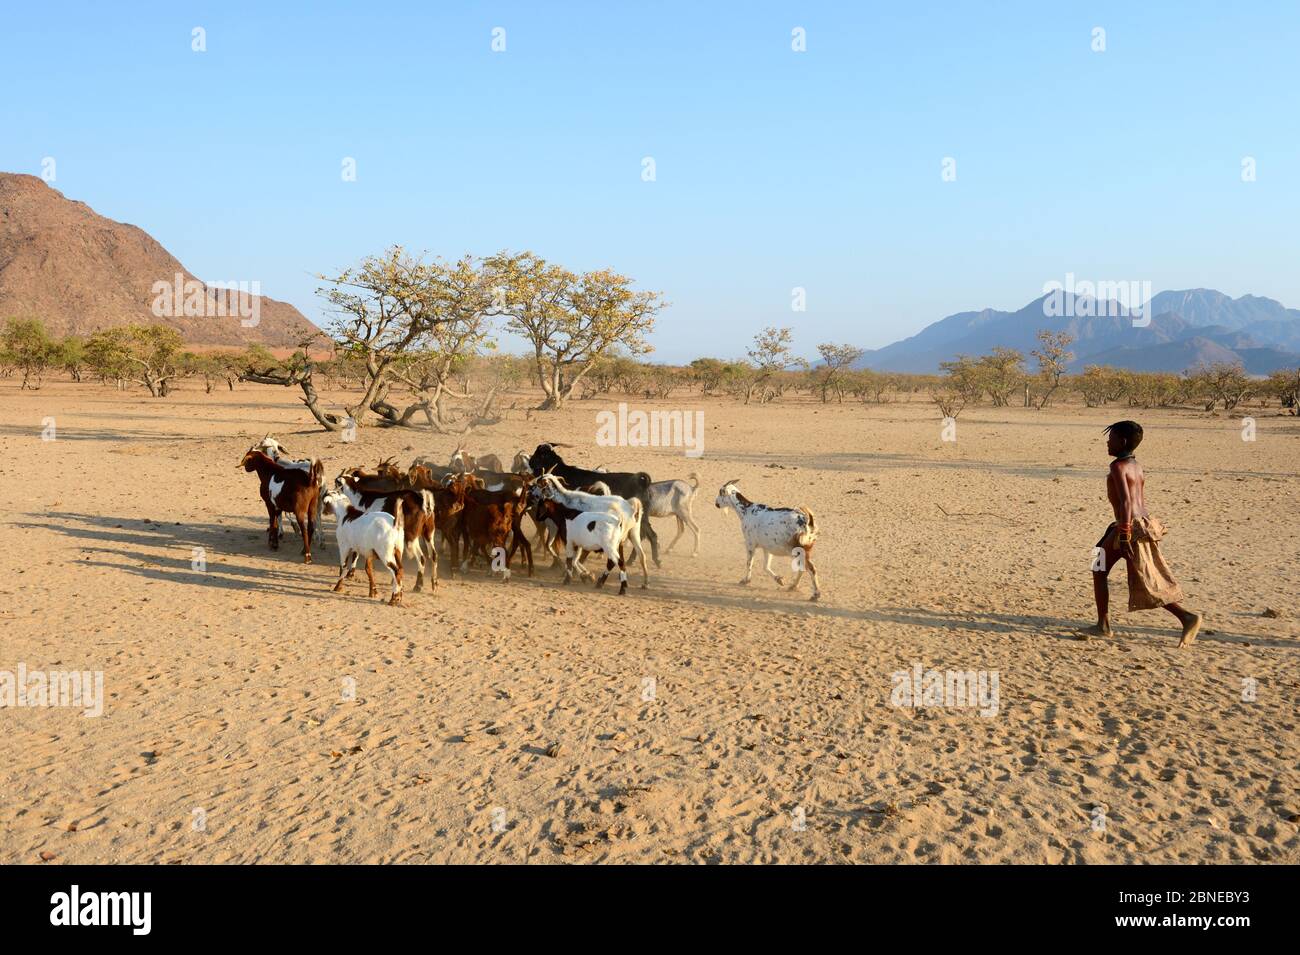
(777, 531)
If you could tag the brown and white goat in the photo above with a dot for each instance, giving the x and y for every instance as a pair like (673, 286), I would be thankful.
(278, 453)
(287, 490)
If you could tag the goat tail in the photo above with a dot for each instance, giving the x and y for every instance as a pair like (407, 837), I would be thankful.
(317, 471)
(426, 502)
(695, 481)
(399, 525)
(809, 534)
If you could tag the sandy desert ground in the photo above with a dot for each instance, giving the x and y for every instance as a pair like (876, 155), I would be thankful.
(226, 687)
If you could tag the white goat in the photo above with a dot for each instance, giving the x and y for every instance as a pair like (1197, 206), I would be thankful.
(675, 499)
(600, 532)
(551, 488)
(374, 535)
(420, 532)
(774, 530)
(548, 535)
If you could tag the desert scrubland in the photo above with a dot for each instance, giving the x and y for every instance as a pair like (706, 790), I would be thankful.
(251, 715)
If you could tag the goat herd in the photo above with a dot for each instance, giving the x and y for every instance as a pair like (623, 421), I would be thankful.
(475, 509)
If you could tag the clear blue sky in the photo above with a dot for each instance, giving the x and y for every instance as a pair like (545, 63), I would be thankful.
(775, 169)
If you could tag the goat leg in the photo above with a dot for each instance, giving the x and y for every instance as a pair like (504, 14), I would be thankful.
(301, 521)
(648, 533)
(394, 568)
(343, 563)
(273, 531)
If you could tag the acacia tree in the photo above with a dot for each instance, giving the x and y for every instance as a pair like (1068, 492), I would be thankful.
(570, 320)
(1001, 372)
(869, 385)
(28, 347)
(1053, 355)
(262, 367)
(1100, 384)
(1285, 385)
(770, 355)
(964, 380)
(71, 356)
(400, 320)
(149, 355)
(456, 310)
(833, 375)
(216, 366)
(1225, 382)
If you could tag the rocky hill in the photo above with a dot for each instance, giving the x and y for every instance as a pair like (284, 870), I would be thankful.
(78, 271)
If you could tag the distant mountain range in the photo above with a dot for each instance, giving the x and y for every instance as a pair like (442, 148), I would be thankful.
(79, 272)
(1186, 329)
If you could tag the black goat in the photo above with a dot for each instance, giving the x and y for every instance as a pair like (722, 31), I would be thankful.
(626, 484)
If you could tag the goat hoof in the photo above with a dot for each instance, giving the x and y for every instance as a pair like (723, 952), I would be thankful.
(396, 600)
(338, 588)
(307, 559)
(374, 592)
(622, 588)
(780, 582)
(744, 583)
(815, 597)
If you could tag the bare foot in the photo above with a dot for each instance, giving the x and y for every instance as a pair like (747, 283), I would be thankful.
(1191, 627)
(1096, 630)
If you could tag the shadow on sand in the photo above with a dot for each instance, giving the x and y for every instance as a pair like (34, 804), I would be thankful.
(288, 578)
